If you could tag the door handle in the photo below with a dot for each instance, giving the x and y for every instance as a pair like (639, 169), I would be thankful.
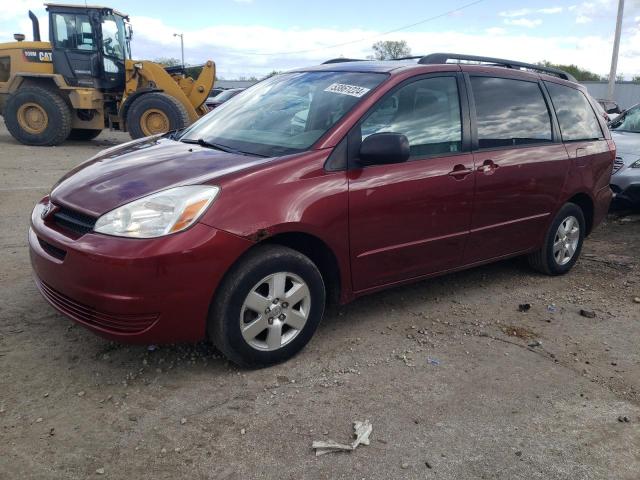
(460, 171)
(488, 167)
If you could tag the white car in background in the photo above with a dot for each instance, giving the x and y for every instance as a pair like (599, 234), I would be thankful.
(625, 178)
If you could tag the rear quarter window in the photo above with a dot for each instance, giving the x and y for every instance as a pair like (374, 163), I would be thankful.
(576, 117)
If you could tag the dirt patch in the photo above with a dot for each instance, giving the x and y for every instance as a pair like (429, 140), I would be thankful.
(519, 331)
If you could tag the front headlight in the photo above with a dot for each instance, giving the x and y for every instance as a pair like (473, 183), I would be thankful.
(159, 214)
(636, 164)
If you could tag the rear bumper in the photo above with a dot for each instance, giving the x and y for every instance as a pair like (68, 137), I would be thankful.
(133, 290)
(602, 202)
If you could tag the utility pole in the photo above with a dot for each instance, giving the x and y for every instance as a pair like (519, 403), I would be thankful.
(181, 35)
(616, 47)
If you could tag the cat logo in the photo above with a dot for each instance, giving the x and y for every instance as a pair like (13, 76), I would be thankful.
(38, 56)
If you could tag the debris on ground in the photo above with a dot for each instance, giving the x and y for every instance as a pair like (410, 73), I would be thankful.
(552, 308)
(433, 361)
(636, 299)
(524, 307)
(100, 471)
(588, 313)
(535, 343)
(623, 419)
(361, 432)
(152, 348)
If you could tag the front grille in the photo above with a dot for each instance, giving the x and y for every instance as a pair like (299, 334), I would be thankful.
(112, 322)
(74, 221)
(617, 164)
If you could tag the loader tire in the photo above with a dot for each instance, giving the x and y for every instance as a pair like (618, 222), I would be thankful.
(37, 116)
(154, 113)
(84, 133)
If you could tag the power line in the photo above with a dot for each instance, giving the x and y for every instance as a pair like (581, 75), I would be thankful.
(351, 42)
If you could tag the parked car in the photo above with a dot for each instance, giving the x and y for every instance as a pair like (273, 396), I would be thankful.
(244, 225)
(216, 91)
(611, 108)
(213, 102)
(625, 181)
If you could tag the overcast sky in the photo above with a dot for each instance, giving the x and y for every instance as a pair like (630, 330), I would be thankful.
(253, 37)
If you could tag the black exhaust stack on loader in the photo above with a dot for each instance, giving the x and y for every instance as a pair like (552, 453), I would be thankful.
(36, 26)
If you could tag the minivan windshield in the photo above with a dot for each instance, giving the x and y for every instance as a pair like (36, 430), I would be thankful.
(284, 114)
(629, 121)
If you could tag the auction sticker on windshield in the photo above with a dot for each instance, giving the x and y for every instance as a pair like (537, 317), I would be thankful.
(344, 89)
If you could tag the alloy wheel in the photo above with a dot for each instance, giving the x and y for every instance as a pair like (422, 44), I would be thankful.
(565, 242)
(275, 311)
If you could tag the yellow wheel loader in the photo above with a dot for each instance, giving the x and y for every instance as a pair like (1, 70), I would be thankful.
(84, 80)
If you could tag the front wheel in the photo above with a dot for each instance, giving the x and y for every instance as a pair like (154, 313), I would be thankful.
(563, 242)
(268, 307)
(154, 113)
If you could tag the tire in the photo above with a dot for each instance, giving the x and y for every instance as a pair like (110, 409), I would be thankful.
(83, 134)
(154, 113)
(229, 312)
(554, 259)
(37, 116)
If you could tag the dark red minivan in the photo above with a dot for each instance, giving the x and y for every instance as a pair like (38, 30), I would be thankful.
(320, 184)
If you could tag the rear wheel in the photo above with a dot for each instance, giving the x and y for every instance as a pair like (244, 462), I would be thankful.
(83, 134)
(154, 113)
(563, 242)
(37, 116)
(268, 307)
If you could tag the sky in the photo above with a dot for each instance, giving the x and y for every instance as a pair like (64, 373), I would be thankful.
(253, 37)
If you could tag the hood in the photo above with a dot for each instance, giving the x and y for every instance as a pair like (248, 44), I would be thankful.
(627, 143)
(127, 172)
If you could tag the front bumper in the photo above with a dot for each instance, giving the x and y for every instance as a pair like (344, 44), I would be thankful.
(132, 290)
(625, 184)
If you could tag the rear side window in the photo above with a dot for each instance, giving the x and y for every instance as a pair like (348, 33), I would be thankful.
(510, 112)
(426, 111)
(576, 117)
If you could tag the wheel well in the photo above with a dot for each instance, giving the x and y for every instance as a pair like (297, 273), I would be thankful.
(319, 253)
(586, 204)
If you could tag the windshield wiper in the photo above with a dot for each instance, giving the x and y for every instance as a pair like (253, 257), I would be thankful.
(217, 146)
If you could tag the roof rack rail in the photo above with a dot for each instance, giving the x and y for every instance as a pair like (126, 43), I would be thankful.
(342, 60)
(437, 58)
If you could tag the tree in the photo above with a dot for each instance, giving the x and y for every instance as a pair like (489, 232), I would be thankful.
(168, 61)
(272, 73)
(390, 49)
(635, 79)
(579, 73)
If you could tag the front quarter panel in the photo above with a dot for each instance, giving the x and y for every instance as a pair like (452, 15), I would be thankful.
(294, 194)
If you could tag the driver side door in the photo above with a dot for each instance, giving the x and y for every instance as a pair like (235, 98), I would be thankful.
(412, 219)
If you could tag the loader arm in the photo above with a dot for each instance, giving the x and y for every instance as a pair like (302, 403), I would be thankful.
(190, 93)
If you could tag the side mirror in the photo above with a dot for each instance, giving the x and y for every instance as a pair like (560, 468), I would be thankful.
(383, 148)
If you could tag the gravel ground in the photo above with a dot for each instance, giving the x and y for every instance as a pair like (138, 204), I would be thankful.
(442, 368)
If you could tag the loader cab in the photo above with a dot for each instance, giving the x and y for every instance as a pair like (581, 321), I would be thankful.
(89, 45)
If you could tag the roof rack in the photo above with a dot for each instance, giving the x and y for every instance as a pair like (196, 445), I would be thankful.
(342, 59)
(437, 58)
